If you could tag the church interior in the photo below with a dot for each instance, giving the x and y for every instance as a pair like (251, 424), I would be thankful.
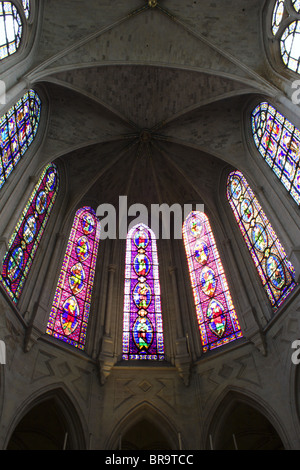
(113, 335)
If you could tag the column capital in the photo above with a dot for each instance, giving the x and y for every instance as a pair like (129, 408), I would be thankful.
(112, 268)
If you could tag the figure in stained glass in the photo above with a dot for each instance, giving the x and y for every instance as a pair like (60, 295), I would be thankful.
(275, 270)
(217, 319)
(25, 240)
(71, 306)
(18, 128)
(142, 321)
(278, 142)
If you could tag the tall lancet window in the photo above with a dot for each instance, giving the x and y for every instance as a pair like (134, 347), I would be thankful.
(69, 315)
(216, 315)
(11, 28)
(278, 141)
(275, 271)
(142, 321)
(18, 128)
(25, 240)
(288, 34)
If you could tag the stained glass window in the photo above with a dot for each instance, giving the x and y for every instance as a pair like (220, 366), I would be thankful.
(290, 46)
(277, 15)
(296, 5)
(26, 6)
(288, 35)
(275, 270)
(142, 322)
(10, 29)
(217, 319)
(18, 128)
(71, 305)
(278, 141)
(28, 232)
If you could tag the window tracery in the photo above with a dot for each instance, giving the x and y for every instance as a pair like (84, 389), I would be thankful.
(11, 29)
(287, 32)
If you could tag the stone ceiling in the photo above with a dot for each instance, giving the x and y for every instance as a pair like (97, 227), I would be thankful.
(148, 102)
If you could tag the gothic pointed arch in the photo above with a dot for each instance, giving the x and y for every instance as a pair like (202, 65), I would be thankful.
(18, 128)
(242, 421)
(29, 230)
(142, 318)
(144, 427)
(285, 28)
(216, 315)
(49, 420)
(68, 320)
(275, 271)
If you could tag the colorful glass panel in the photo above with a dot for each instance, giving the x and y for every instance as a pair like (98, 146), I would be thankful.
(10, 29)
(277, 15)
(217, 319)
(18, 127)
(290, 46)
(142, 321)
(28, 232)
(275, 270)
(296, 5)
(69, 315)
(26, 6)
(278, 141)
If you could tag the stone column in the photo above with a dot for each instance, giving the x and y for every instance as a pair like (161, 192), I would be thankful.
(182, 356)
(250, 326)
(111, 274)
(41, 310)
(107, 357)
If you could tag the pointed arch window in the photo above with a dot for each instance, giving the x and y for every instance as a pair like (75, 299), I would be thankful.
(11, 28)
(216, 315)
(278, 142)
(25, 240)
(288, 36)
(275, 270)
(142, 321)
(18, 128)
(69, 315)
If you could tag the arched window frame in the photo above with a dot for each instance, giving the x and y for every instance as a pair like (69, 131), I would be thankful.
(25, 239)
(265, 181)
(273, 41)
(276, 246)
(289, 186)
(13, 135)
(152, 311)
(66, 287)
(216, 315)
(29, 36)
